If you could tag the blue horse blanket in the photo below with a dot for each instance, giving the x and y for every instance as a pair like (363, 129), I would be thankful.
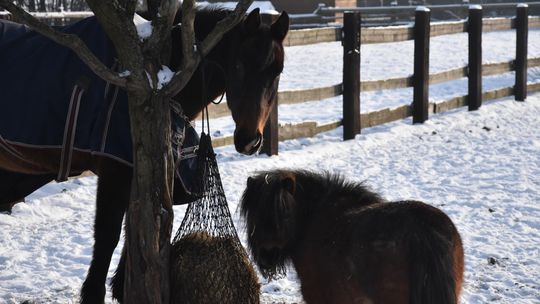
(44, 87)
(37, 81)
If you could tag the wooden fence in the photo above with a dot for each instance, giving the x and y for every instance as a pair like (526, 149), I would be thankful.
(353, 36)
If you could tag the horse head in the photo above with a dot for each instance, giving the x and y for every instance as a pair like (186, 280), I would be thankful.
(270, 209)
(245, 65)
(254, 65)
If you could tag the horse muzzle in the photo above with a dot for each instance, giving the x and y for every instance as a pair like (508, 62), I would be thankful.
(247, 145)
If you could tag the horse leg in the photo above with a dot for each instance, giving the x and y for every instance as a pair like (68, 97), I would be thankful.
(14, 187)
(112, 199)
(117, 283)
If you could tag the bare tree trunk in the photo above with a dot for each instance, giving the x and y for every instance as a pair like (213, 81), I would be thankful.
(150, 215)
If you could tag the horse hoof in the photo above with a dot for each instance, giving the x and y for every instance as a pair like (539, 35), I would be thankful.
(7, 207)
(92, 294)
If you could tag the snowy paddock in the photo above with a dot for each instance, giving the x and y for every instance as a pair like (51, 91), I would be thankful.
(482, 168)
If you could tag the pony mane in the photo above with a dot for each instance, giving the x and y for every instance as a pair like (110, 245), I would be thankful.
(325, 187)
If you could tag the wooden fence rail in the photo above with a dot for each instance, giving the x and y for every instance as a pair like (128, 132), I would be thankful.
(353, 121)
(301, 95)
(379, 117)
(399, 33)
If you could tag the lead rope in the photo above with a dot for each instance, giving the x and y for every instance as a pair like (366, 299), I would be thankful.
(205, 115)
(204, 96)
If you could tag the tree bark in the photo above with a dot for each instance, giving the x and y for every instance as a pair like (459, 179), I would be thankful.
(150, 214)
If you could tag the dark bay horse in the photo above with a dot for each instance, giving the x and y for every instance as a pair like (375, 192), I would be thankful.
(245, 66)
(348, 245)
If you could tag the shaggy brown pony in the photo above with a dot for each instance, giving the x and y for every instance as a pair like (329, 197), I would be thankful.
(348, 245)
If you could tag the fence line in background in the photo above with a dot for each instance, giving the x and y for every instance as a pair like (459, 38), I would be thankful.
(379, 117)
(371, 35)
(307, 95)
(421, 33)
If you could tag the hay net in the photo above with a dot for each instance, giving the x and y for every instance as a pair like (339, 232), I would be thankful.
(208, 262)
(209, 213)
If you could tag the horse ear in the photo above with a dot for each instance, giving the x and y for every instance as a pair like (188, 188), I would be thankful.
(281, 27)
(289, 183)
(253, 21)
(250, 181)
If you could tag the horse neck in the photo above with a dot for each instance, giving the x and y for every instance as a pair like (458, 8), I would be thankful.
(196, 95)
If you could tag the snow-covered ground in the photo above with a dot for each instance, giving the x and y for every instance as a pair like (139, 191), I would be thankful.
(482, 168)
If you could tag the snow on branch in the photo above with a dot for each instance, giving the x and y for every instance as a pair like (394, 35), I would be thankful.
(143, 26)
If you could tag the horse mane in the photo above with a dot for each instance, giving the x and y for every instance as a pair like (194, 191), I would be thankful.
(206, 19)
(326, 189)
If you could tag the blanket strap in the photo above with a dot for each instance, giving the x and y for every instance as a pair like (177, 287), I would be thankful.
(70, 127)
(115, 89)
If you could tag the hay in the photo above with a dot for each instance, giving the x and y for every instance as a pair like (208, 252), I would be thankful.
(207, 269)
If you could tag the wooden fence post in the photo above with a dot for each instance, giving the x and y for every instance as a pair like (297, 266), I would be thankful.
(271, 129)
(421, 64)
(351, 75)
(522, 28)
(474, 28)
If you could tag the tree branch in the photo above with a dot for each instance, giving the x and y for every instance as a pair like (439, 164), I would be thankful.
(190, 59)
(162, 21)
(119, 26)
(68, 40)
(117, 21)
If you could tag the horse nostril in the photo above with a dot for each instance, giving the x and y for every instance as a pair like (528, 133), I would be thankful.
(250, 147)
(255, 144)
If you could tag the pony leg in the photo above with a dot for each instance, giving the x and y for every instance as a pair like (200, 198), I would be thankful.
(112, 199)
(14, 187)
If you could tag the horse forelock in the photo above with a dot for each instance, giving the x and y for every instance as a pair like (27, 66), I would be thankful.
(268, 208)
(261, 209)
(264, 196)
